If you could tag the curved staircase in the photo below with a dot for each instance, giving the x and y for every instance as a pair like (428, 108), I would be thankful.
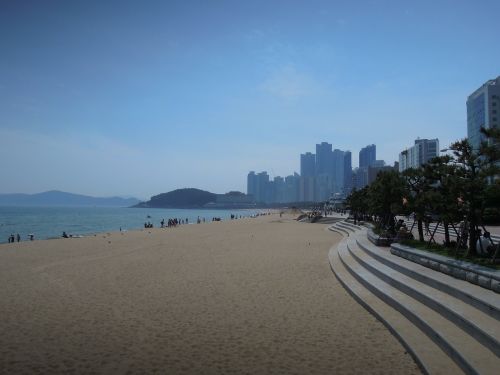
(448, 325)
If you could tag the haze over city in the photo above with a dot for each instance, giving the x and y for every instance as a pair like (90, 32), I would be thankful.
(138, 98)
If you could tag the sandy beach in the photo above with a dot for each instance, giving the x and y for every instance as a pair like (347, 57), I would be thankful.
(250, 296)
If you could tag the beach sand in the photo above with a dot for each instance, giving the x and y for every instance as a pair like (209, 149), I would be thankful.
(247, 296)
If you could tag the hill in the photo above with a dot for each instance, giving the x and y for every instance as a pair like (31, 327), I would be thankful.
(60, 198)
(180, 198)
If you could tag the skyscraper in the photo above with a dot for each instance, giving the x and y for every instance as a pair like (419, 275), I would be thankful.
(324, 171)
(252, 184)
(323, 158)
(483, 110)
(292, 188)
(347, 172)
(263, 193)
(307, 188)
(338, 171)
(279, 190)
(307, 164)
(367, 155)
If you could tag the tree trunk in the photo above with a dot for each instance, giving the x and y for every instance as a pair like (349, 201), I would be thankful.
(446, 234)
(472, 238)
(420, 231)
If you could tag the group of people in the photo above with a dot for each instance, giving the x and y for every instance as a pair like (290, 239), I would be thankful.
(176, 221)
(13, 238)
(17, 238)
(173, 222)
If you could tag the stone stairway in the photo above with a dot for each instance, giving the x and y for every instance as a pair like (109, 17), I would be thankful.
(447, 324)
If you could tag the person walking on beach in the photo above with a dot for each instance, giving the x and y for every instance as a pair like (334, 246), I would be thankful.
(18, 237)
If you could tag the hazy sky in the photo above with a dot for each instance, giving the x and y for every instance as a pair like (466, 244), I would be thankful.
(136, 98)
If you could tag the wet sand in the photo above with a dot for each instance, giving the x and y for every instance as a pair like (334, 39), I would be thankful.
(247, 296)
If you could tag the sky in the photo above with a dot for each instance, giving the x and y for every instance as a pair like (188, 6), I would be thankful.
(136, 98)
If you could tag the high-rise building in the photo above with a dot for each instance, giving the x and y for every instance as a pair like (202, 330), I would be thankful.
(252, 184)
(323, 185)
(322, 174)
(347, 172)
(483, 110)
(307, 164)
(367, 155)
(307, 188)
(292, 188)
(420, 153)
(279, 190)
(323, 158)
(263, 188)
(361, 177)
(324, 171)
(338, 171)
(354, 179)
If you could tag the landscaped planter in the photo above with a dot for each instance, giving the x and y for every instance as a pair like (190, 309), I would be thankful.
(378, 240)
(473, 273)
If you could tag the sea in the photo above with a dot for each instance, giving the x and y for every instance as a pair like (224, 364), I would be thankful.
(51, 222)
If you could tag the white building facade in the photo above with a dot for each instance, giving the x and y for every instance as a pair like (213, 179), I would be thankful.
(420, 153)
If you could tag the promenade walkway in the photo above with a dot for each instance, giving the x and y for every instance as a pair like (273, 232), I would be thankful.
(439, 235)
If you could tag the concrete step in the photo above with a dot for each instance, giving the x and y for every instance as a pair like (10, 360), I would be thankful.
(427, 354)
(347, 227)
(482, 299)
(337, 231)
(327, 220)
(350, 225)
(464, 350)
(340, 230)
(484, 328)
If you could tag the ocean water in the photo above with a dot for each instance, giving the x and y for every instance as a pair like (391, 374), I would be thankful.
(50, 222)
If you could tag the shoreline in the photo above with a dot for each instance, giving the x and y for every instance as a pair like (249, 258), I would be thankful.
(89, 221)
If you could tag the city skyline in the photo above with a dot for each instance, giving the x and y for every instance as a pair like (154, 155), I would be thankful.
(120, 98)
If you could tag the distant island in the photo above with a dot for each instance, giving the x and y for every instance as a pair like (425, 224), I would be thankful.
(196, 198)
(61, 199)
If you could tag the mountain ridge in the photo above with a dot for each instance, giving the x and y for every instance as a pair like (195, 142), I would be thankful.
(61, 198)
(180, 198)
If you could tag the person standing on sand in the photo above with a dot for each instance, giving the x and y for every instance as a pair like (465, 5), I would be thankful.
(18, 237)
